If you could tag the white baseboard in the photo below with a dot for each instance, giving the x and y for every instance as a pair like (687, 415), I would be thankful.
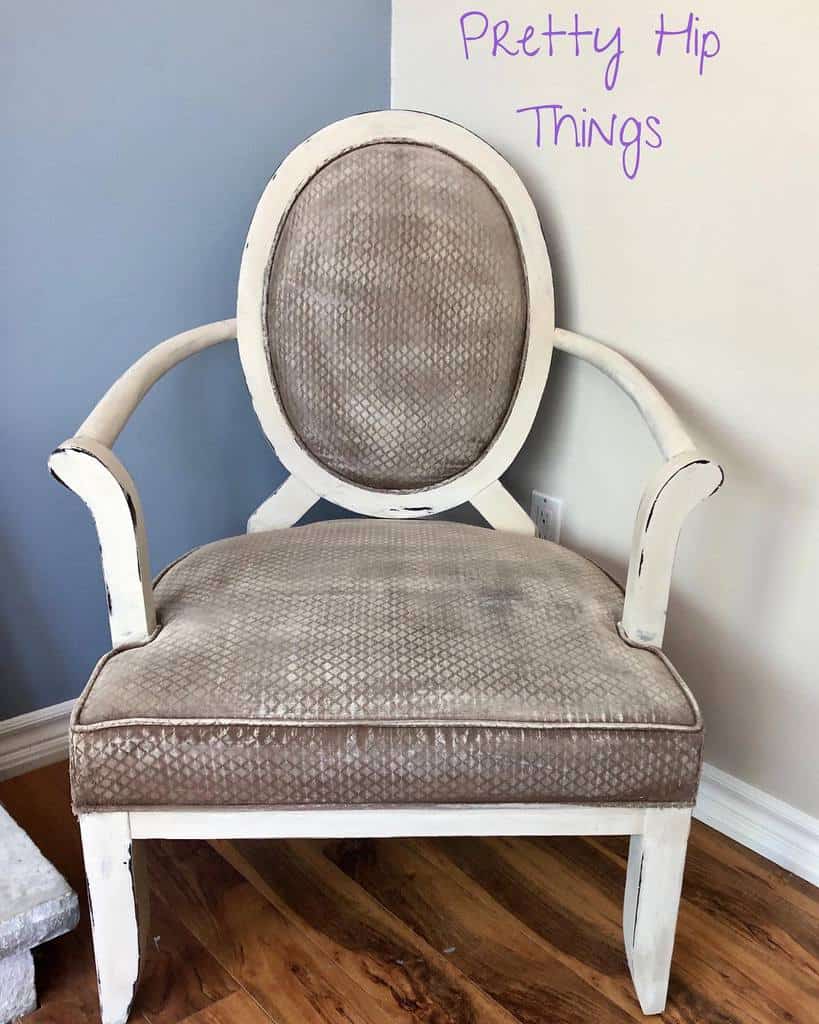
(770, 827)
(33, 740)
(767, 826)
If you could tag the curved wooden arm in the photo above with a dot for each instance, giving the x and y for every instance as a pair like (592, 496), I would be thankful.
(96, 475)
(87, 466)
(679, 485)
(682, 482)
(664, 424)
(118, 403)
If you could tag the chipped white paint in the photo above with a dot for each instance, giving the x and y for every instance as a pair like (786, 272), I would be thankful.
(94, 473)
(284, 507)
(291, 176)
(679, 485)
(682, 482)
(656, 860)
(86, 464)
(657, 855)
(119, 909)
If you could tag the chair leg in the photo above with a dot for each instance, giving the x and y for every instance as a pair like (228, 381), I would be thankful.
(656, 860)
(117, 892)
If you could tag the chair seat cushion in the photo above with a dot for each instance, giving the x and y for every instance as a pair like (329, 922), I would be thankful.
(384, 662)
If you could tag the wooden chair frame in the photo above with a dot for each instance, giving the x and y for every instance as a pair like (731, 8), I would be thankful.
(87, 465)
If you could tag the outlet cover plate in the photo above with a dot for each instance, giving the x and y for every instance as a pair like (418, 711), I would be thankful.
(547, 513)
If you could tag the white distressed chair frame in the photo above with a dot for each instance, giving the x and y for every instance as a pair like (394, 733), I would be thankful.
(87, 465)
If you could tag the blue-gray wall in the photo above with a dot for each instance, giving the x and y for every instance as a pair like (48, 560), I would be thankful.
(136, 140)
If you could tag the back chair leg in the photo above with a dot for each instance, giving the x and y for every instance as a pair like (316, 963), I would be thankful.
(117, 890)
(656, 860)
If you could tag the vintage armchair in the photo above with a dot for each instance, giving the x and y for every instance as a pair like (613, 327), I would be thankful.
(386, 676)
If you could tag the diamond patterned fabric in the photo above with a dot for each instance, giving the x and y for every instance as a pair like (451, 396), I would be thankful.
(396, 316)
(368, 661)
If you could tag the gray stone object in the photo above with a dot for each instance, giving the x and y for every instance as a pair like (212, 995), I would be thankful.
(36, 904)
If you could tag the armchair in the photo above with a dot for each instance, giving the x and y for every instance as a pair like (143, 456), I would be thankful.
(382, 677)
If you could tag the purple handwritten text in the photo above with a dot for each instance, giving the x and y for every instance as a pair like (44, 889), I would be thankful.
(583, 130)
(486, 39)
(499, 39)
(703, 44)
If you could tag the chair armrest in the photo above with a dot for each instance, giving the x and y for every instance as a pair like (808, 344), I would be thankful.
(682, 482)
(96, 475)
(86, 465)
(118, 403)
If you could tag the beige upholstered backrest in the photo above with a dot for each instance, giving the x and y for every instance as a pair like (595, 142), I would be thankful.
(385, 306)
(396, 315)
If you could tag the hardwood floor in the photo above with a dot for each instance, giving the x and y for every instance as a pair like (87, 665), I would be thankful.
(434, 931)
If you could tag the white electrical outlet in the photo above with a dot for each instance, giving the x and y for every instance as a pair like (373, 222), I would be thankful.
(547, 513)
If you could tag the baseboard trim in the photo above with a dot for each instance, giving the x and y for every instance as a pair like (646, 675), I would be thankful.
(33, 740)
(766, 825)
(770, 827)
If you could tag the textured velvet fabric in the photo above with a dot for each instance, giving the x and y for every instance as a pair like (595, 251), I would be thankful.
(396, 316)
(372, 661)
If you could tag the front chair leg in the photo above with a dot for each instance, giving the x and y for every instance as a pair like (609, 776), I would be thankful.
(656, 859)
(117, 893)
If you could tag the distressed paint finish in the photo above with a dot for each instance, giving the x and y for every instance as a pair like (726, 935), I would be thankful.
(654, 877)
(684, 480)
(87, 465)
(289, 503)
(679, 486)
(659, 839)
(272, 209)
(94, 473)
(118, 899)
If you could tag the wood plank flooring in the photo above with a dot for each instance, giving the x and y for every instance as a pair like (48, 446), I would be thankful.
(438, 931)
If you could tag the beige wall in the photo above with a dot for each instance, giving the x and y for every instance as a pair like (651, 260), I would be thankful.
(703, 270)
